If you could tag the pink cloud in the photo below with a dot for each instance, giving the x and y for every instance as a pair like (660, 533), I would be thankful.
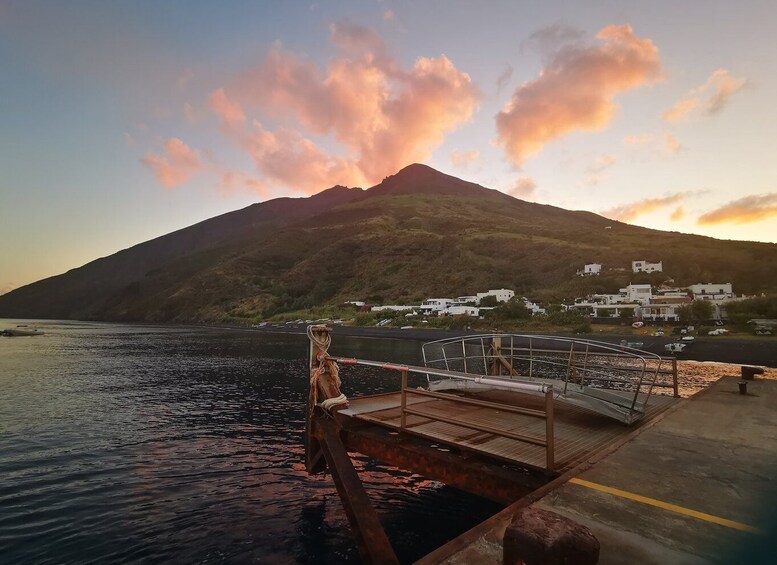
(286, 157)
(524, 187)
(177, 166)
(711, 97)
(226, 109)
(233, 181)
(464, 159)
(746, 210)
(629, 212)
(596, 172)
(575, 91)
(672, 145)
(383, 115)
(678, 214)
(638, 139)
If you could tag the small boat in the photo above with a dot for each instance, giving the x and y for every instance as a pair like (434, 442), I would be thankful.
(675, 347)
(20, 331)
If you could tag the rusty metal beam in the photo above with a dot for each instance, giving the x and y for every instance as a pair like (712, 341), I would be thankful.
(373, 543)
(465, 470)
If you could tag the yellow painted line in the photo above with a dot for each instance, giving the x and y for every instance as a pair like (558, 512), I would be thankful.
(665, 505)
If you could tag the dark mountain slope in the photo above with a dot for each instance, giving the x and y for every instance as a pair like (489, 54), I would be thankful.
(86, 291)
(417, 234)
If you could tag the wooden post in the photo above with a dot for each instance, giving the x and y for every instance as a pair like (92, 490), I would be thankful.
(373, 543)
(323, 385)
(403, 397)
(549, 462)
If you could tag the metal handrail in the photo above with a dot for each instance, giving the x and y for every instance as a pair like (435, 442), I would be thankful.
(548, 414)
(636, 370)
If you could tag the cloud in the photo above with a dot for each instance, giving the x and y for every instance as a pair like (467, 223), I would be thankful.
(177, 166)
(678, 214)
(745, 210)
(233, 181)
(228, 110)
(288, 158)
(711, 97)
(672, 145)
(388, 15)
(129, 140)
(464, 159)
(382, 114)
(628, 212)
(524, 187)
(504, 78)
(666, 143)
(681, 109)
(575, 91)
(638, 139)
(595, 172)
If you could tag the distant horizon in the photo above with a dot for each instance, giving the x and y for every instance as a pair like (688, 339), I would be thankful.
(126, 122)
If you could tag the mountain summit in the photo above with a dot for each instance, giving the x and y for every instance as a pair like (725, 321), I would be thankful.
(416, 234)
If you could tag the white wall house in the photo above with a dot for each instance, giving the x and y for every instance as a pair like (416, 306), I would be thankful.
(460, 311)
(660, 312)
(646, 267)
(710, 291)
(536, 309)
(461, 300)
(591, 269)
(639, 293)
(501, 294)
(435, 305)
(597, 310)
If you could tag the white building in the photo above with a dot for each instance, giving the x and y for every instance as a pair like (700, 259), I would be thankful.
(646, 267)
(536, 309)
(502, 294)
(710, 291)
(460, 311)
(591, 269)
(461, 300)
(639, 293)
(435, 305)
(660, 312)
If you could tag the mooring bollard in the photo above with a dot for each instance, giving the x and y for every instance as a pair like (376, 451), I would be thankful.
(742, 387)
(541, 537)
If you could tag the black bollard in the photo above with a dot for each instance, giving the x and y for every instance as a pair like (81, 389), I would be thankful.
(742, 387)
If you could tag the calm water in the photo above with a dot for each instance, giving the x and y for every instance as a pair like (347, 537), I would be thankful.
(145, 444)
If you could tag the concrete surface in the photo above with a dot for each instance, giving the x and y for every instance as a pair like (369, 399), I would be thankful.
(717, 454)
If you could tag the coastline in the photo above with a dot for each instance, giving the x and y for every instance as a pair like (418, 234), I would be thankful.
(738, 351)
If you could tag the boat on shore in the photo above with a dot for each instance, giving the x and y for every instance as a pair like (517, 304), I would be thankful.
(20, 331)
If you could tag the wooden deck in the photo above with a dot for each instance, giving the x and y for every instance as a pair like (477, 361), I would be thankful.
(578, 433)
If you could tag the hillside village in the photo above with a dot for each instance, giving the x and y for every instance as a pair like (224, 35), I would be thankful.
(637, 302)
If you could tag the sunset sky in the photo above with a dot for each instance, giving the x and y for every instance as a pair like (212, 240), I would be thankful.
(123, 121)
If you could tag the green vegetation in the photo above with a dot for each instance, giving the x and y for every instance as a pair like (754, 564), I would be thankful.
(698, 311)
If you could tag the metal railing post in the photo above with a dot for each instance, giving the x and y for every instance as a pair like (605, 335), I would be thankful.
(403, 398)
(675, 384)
(549, 447)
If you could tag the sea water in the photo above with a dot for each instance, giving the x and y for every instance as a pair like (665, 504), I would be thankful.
(137, 443)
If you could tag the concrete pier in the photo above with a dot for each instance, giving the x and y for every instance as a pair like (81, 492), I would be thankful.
(697, 486)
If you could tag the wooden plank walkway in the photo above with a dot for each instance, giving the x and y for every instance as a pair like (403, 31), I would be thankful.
(578, 433)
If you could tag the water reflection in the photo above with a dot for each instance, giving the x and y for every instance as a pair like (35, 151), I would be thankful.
(129, 443)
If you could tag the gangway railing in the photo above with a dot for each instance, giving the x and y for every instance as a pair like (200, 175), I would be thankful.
(545, 389)
(611, 379)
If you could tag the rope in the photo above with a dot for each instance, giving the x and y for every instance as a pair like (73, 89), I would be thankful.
(325, 365)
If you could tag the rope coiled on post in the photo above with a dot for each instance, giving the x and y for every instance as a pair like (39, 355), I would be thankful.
(325, 365)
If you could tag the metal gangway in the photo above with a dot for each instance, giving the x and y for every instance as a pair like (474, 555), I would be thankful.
(609, 379)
